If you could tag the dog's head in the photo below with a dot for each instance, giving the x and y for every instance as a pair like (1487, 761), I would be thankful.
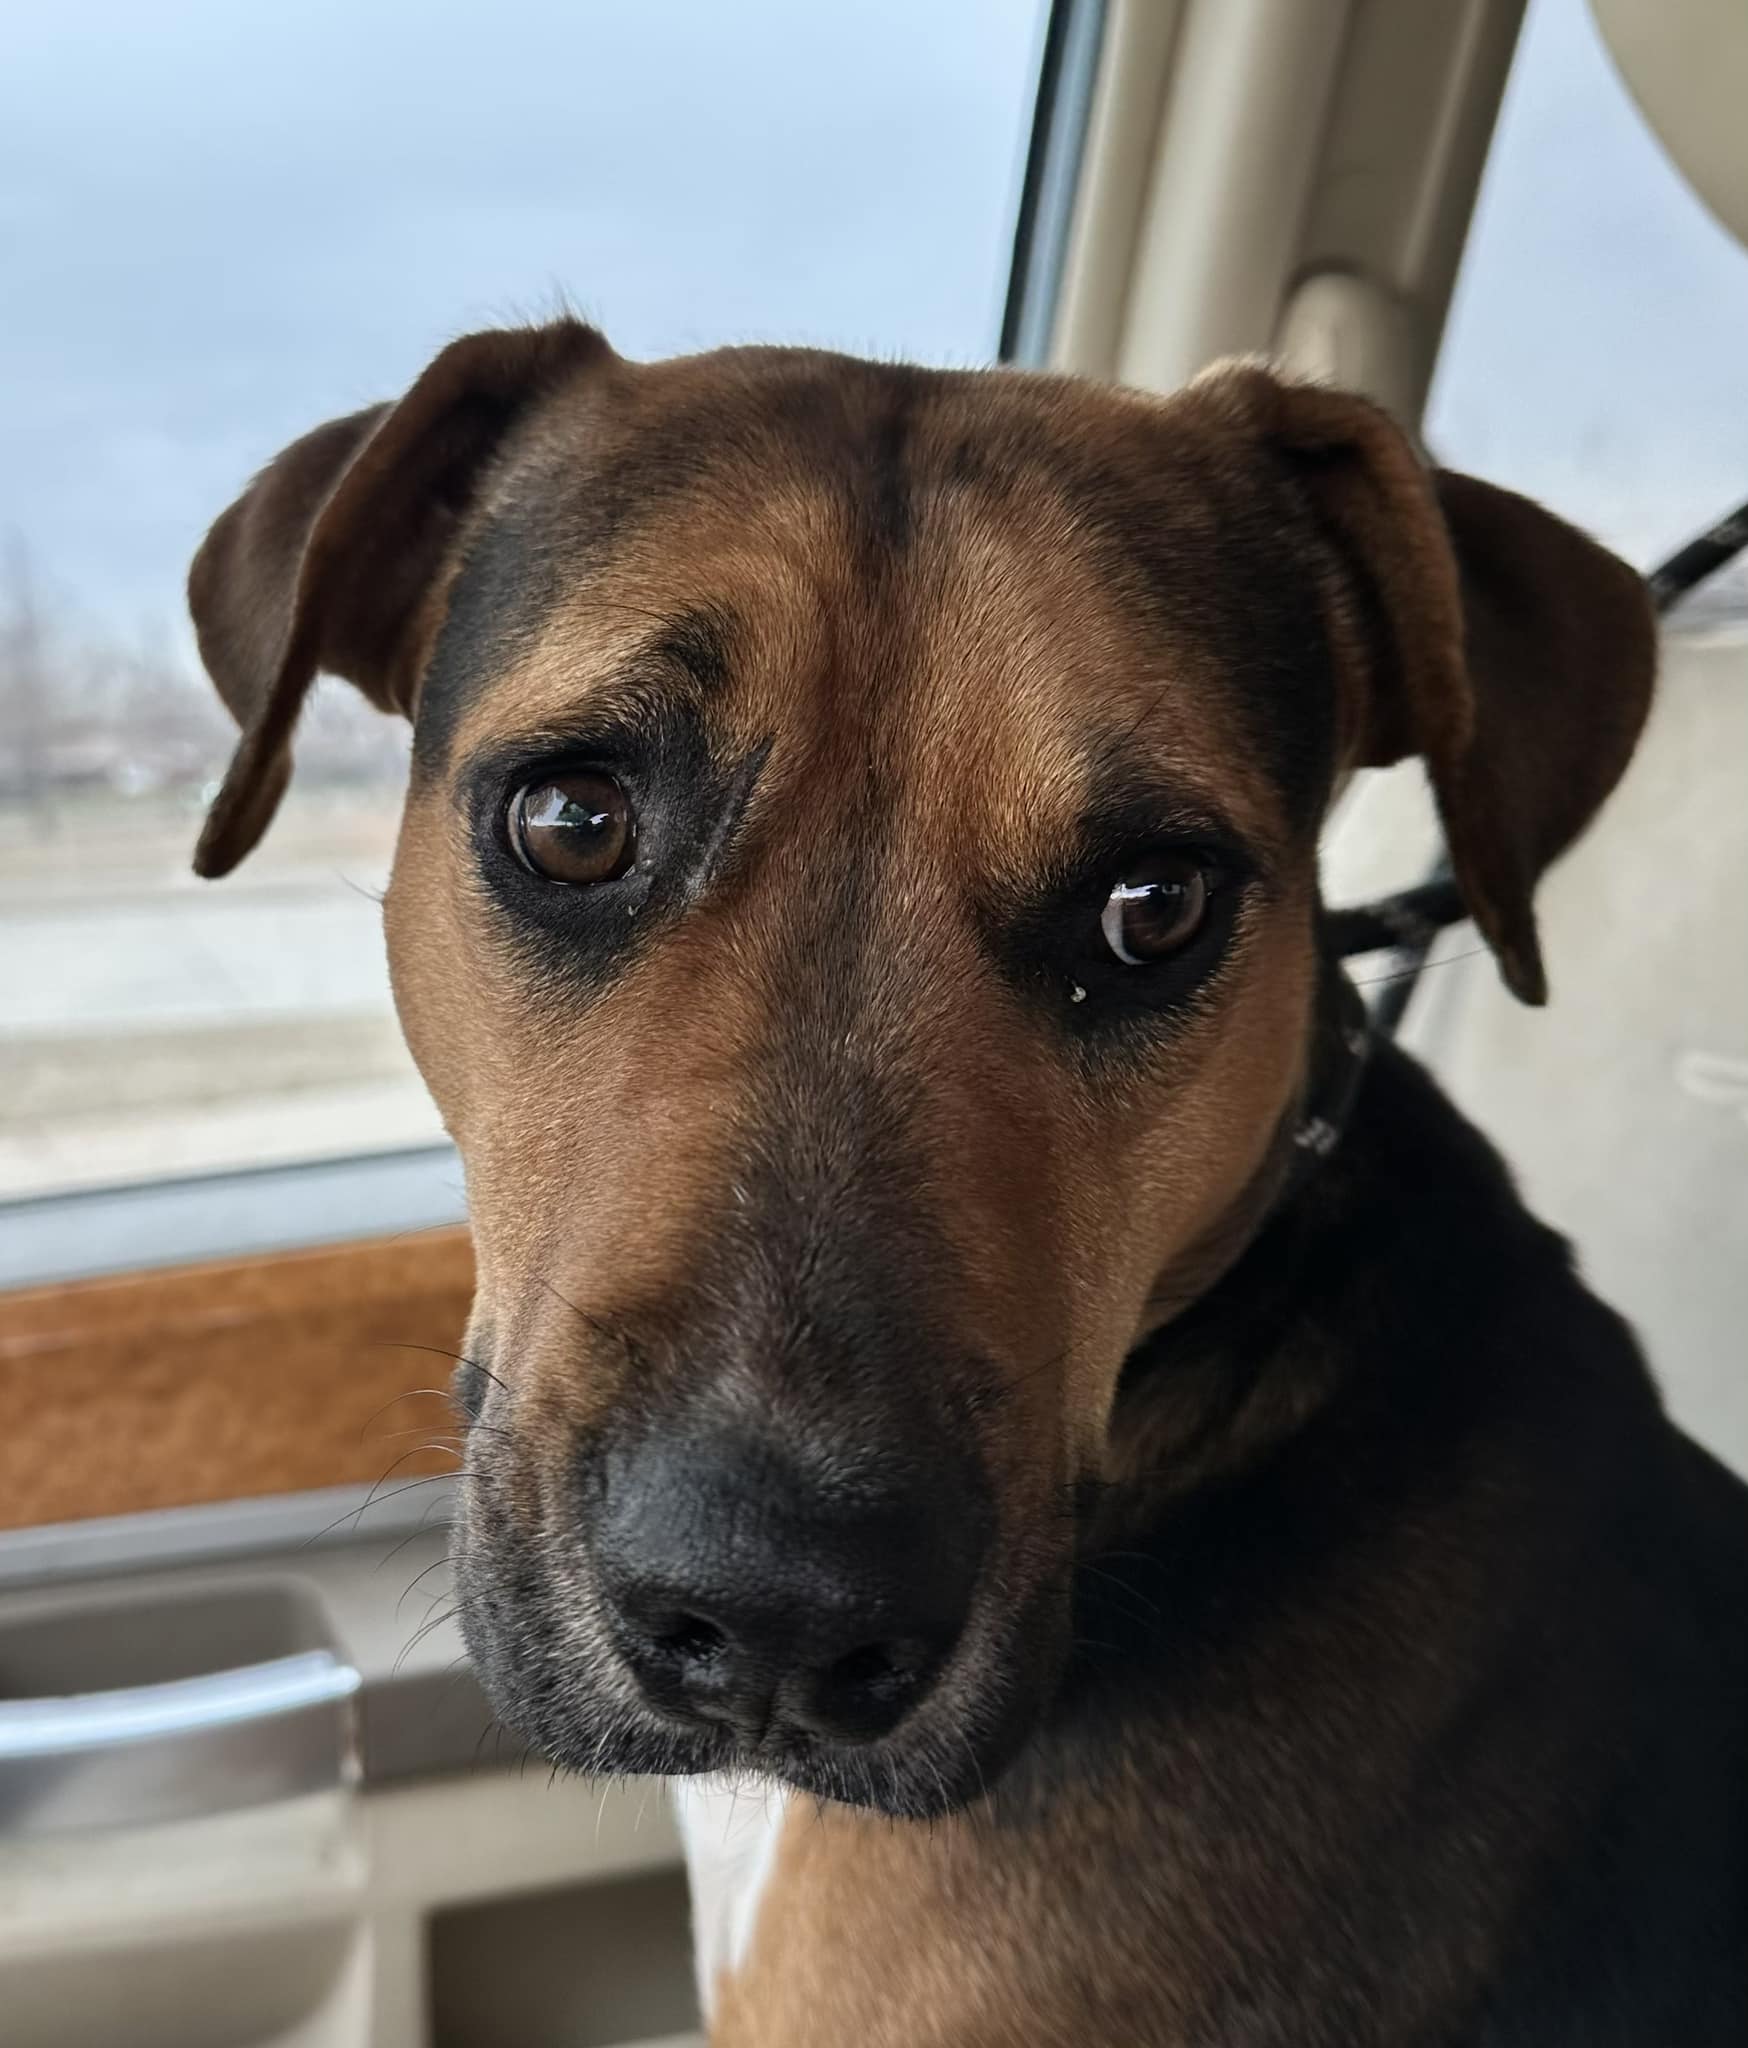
(856, 909)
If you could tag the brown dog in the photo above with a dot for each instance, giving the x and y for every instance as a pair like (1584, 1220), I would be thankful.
(857, 909)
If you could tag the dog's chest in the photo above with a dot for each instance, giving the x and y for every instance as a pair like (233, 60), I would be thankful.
(730, 1832)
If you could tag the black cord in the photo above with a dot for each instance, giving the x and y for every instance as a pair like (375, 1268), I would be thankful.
(1409, 924)
(1410, 921)
(1689, 567)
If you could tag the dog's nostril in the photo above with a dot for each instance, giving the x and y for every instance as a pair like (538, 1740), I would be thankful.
(691, 1638)
(872, 1667)
(745, 1594)
(868, 1689)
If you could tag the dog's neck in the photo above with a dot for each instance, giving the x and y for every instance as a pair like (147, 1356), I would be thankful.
(1355, 1517)
(1336, 1684)
(1310, 1132)
(1341, 1238)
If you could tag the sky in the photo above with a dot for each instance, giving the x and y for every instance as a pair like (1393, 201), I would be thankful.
(220, 224)
(1596, 354)
(223, 223)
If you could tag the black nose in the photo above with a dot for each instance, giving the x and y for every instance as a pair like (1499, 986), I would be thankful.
(747, 1594)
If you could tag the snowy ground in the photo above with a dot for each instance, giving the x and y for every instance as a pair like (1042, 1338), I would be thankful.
(151, 1023)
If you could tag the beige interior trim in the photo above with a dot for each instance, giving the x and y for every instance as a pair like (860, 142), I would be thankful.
(1420, 92)
(1237, 153)
(1686, 64)
(1122, 133)
(1344, 328)
(1293, 176)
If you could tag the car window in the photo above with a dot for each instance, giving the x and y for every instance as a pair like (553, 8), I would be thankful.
(1594, 352)
(224, 224)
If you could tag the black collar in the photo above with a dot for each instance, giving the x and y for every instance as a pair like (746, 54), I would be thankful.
(1336, 1061)
(1341, 1044)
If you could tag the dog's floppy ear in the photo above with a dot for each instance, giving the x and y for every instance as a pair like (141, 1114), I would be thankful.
(1473, 628)
(331, 558)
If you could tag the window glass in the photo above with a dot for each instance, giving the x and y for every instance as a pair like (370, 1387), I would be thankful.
(1594, 355)
(223, 224)
(1595, 359)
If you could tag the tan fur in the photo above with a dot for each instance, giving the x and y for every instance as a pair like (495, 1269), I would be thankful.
(940, 709)
(660, 1063)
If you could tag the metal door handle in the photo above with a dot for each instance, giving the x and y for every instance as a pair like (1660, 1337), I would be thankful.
(186, 1747)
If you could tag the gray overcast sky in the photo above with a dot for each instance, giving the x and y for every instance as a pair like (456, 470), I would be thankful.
(220, 223)
(1597, 352)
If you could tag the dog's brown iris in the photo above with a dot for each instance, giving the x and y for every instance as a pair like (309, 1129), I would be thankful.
(577, 827)
(1156, 908)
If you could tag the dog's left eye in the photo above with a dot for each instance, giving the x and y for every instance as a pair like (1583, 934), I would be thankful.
(578, 827)
(1156, 909)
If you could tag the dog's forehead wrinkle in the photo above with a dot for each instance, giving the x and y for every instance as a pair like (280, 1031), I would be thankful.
(837, 504)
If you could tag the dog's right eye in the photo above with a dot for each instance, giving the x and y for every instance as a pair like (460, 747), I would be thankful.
(1156, 909)
(576, 828)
